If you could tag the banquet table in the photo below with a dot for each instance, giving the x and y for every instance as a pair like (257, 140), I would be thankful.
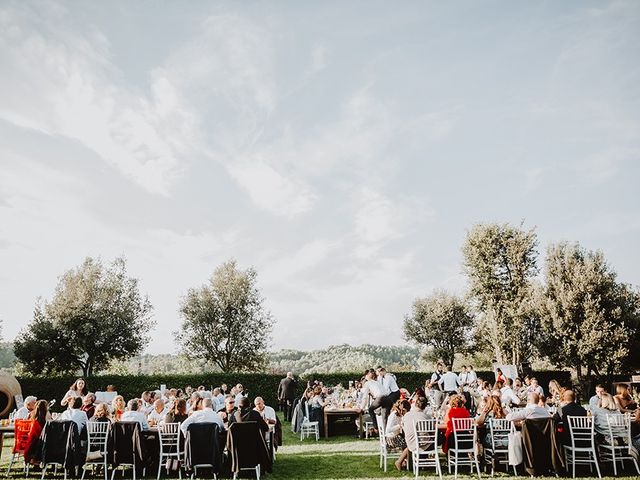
(342, 420)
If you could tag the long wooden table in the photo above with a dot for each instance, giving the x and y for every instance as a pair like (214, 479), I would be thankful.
(342, 416)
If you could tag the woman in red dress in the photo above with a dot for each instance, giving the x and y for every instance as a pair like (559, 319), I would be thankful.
(40, 415)
(456, 410)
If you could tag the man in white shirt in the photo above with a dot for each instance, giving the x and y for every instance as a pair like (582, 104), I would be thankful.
(24, 411)
(158, 413)
(206, 415)
(240, 393)
(389, 383)
(268, 413)
(134, 414)
(463, 376)
(535, 387)
(75, 414)
(532, 410)
(472, 376)
(374, 389)
(507, 394)
(218, 399)
(449, 382)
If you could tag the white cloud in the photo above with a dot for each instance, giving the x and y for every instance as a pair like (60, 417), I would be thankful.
(76, 94)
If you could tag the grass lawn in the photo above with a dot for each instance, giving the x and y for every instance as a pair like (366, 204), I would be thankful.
(336, 458)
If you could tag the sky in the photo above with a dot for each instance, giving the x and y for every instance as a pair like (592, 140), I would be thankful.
(342, 149)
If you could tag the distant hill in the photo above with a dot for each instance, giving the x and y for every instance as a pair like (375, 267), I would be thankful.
(345, 358)
(336, 358)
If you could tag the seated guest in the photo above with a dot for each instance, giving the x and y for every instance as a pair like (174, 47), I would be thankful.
(206, 415)
(409, 420)
(101, 413)
(606, 406)
(74, 413)
(507, 395)
(456, 410)
(24, 411)
(218, 399)
(535, 387)
(78, 389)
(229, 408)
(568, 408)
(266, 412)
(247, 414)
(393, 430)
(555, 393)
(88, 404)
(624, 400)
(158, 413)
(194, 402)
(178, 413)
(317, 403)
(41, 415)
(595, 400)
(492, 409)
(117, 407)
(532, 410)
(239, 393)
(134, 414)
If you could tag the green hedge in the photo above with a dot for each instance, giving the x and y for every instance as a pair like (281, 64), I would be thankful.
(265, 385)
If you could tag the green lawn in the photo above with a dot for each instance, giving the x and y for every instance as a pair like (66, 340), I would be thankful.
(336, 458)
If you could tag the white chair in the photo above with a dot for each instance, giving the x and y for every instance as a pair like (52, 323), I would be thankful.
(499, 429)
(582, 449)
(465, 449)
(308, 428)
(97, 435)
(169, 437)
(385, 451)
(617, 445)
(426, 454)
(367, 426)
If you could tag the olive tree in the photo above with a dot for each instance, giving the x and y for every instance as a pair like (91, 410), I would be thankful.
(225, 321)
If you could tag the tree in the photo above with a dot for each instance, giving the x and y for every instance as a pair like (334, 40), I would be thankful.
(590, 321)
(441, 321)
(225, 321)
(97, 314)
(500, 261)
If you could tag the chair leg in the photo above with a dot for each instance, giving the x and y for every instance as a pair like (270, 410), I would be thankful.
(13, 456)
(84, 470)
(615, 467)
(44, 470)
(258, 472)
(595, 460)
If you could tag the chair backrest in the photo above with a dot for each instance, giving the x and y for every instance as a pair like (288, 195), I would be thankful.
(382, 438)
(464, 433)
(97, 435)
(21, 435)
(169, 436)
(427, 434)
(306, 410)
(499, 429)
(581, 431)
(619, 428)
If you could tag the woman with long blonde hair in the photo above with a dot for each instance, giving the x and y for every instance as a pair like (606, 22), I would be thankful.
(117, 406)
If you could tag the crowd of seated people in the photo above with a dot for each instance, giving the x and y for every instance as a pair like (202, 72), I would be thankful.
(184, 406)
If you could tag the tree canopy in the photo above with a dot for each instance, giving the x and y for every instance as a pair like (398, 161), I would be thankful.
(591, 322)
(225, 321)
(500, 262)
(97, 314)
(441, 321)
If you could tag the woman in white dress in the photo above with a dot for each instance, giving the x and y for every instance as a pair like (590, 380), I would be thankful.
(78, 389)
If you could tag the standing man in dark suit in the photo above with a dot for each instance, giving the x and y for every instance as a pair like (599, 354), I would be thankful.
(568, 408)
(287, 394)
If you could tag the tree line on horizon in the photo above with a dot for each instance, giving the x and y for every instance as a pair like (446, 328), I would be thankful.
(575, 314)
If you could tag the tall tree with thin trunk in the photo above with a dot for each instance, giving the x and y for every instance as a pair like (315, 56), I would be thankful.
(225, 321)
(500, 262)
